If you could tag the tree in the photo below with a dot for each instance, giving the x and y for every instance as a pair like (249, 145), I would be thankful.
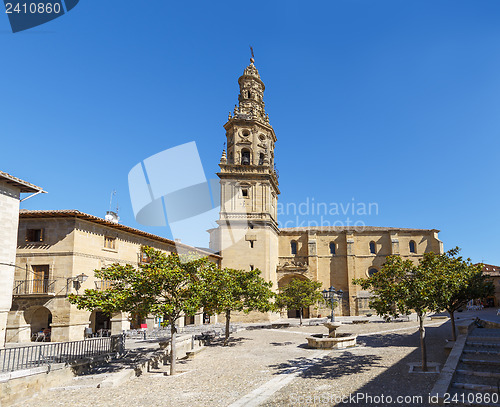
(229, 290)
(399, 287)
(299, 294)
(457, 282)
(166, 286)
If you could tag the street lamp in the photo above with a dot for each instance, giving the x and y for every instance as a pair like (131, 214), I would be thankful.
(331, 295)
(78, 281)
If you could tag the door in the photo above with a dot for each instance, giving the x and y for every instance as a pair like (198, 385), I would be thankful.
(40, 279)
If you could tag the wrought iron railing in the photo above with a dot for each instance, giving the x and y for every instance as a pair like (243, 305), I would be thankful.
(164, 332)
(28, 357)
(37, 286)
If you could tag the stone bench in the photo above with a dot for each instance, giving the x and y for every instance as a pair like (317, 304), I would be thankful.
(361, 321)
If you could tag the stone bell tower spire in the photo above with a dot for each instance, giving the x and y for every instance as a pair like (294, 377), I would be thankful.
(249, 124)
(251, 97)
(249, 184)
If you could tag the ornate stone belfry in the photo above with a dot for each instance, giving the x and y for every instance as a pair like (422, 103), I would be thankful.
(247, 235)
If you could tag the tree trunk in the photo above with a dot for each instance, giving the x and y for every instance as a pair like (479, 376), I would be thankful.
(228, 319)
(453, 331)
(422, 342)
(173, 350)
(300, 316)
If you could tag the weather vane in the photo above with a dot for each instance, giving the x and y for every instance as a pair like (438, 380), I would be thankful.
(252, 60)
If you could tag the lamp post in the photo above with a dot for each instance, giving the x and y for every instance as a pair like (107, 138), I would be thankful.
(331, 295)
(78, 281)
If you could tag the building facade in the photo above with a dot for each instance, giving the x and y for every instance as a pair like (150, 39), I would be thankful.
(11, 189)
(248, 235)
(493, 273)
(56, 251)
(337, 255)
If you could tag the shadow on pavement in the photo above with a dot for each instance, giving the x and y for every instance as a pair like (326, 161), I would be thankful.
(219, 341)
(329, 367)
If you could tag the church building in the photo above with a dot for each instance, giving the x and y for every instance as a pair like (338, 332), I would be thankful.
(248, 235)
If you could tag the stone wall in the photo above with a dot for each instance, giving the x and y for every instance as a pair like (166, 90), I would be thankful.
(9, 216)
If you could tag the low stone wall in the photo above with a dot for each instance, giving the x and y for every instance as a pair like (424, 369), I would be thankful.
(490, 324)
(465, 326)
(23, 384)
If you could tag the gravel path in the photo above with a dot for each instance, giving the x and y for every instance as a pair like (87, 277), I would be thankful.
(219, 376)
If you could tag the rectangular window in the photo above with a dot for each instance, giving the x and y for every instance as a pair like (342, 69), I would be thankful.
(109, 242)
(145, 258)
(244, 192)
(34, 235)
(251, 267)
(251, 244)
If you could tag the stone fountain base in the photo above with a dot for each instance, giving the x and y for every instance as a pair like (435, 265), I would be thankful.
(332, 340)
(340, 341)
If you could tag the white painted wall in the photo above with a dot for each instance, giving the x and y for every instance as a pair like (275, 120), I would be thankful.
(9, 219)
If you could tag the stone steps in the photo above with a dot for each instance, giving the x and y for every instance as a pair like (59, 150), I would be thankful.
(481, 351)
(473, 379)
(464, 397)
(490, 344)
(483, 360)
(476, 381)
(471, 375)
(476, 387)
(478, 373)
(478, 368)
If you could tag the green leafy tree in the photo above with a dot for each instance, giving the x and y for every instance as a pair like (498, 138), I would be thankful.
(299, 294)
(400, 287)
(227, 290)
(166, 286)
(457, 282)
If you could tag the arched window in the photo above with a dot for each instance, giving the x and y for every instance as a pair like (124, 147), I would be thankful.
(261, 159)
(293, 247)
(373, 248)
(413, 247)
(372, 271)
(245, 157)
(332, 248)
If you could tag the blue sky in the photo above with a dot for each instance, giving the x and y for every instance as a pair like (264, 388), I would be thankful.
(387, 102)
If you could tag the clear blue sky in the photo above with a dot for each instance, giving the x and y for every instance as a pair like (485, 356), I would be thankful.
(389, 101)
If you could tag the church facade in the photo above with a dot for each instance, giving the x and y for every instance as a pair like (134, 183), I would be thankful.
(248, 235)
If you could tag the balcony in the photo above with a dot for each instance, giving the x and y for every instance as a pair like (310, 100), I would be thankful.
(34, 287)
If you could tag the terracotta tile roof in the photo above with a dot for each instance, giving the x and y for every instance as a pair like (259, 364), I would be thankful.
(73, 213)
(490, 269)
(24, 186)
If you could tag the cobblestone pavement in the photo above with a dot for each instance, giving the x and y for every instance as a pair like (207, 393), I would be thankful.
(220, 376)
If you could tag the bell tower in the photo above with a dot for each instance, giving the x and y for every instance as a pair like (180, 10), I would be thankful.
(247, 236)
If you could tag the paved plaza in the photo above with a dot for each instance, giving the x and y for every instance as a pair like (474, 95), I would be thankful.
(273, 367)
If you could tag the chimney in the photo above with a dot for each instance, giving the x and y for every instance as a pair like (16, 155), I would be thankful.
(112, 217)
